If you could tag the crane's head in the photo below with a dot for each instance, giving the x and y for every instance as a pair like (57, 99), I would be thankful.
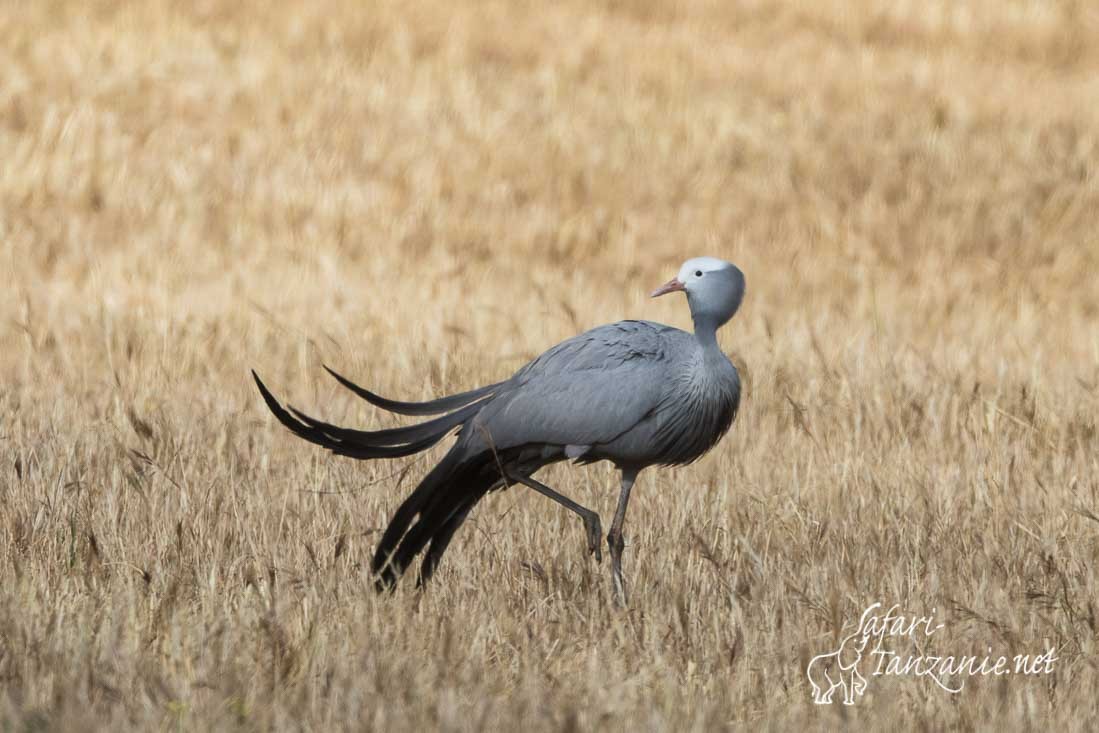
(714, 288)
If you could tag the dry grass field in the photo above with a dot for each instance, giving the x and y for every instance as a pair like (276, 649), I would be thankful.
(425, 195)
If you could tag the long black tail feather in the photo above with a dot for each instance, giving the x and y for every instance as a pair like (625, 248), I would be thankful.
(394, 443)
(441, 539)
(431, 515)
(438, 428)
(438, 507)
(432, 407)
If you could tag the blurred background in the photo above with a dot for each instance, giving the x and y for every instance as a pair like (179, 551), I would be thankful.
(492, 176)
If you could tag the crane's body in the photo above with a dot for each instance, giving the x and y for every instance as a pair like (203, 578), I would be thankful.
(635, 393)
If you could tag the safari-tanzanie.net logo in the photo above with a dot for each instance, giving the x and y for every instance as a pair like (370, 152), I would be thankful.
(874, 650)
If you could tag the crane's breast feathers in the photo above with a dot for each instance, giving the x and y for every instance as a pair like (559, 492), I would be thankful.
(691, 424)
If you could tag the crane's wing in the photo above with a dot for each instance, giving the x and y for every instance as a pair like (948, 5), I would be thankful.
(589, 389)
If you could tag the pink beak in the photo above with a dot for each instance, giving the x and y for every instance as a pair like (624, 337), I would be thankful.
(672, 286)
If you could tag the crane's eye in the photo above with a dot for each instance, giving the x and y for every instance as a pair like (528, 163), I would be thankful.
(698, 273)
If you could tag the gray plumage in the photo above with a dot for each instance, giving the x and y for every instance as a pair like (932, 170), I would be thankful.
(635, 393)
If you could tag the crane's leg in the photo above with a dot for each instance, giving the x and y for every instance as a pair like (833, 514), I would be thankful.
(614, 537)
(591, 519)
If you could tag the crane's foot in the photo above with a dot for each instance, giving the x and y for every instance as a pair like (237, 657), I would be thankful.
(621, 600)
(617, 544)
(594, 530)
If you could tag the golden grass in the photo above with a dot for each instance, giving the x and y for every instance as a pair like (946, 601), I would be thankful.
(424, 195)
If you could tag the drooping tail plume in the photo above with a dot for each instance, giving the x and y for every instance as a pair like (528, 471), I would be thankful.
(431, 407)
(439, 505)
(390, 443)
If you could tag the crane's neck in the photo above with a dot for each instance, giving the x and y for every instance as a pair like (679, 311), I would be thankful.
(706, 326)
